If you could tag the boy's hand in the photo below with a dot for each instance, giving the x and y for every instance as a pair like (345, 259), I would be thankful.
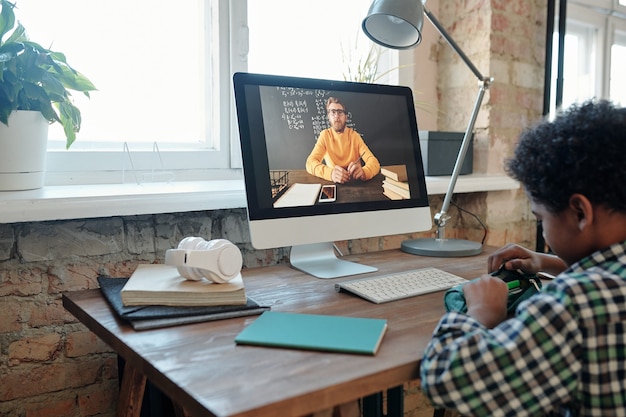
(517, 257)
(486, 300)
(514, 257)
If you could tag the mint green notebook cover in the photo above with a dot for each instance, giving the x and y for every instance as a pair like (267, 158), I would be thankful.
(315, 332)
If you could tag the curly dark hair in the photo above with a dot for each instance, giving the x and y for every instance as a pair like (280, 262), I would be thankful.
(581, 151)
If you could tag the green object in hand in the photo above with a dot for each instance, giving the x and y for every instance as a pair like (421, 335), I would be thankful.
(521, 287)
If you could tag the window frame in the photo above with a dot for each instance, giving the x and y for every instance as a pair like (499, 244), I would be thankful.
(606, 17)
(83, 164)
(616, 31)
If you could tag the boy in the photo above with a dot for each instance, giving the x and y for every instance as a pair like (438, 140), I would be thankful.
(564, 351)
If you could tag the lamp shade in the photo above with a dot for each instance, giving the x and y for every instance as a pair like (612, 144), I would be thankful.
(395, 24)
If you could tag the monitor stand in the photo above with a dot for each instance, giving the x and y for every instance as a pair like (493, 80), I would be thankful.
(319, 260)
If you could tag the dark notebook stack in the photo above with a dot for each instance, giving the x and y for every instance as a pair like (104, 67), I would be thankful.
(150, 317)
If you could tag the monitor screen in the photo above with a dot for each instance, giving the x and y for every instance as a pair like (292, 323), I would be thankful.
(327, 161)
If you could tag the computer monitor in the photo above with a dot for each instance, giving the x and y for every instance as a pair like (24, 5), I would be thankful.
(280, 119)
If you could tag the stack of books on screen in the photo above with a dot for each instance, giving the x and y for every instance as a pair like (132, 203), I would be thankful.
(395, 184)
(157, 296)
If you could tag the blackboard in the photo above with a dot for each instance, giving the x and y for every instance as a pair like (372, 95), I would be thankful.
(294, 117)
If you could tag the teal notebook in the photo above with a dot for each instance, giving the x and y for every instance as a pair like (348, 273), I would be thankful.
(315, 332)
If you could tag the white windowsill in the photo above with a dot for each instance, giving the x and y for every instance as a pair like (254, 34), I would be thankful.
(105, 200)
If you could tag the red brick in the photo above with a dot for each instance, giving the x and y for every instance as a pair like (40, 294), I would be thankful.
(99, 401)
(11, 317)
(109, 368)
(21, 282)
(51, 408)
(84, 343)
(72, 278)
(51, 314)
(82, 374)
(121, 269)
(30, 382)
(33, 349)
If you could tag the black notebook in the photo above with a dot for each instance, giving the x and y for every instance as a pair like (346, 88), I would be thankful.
(150, 317)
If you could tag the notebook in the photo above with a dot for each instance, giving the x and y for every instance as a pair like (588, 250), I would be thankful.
(151, 317)
(299, 195)
(315, 332)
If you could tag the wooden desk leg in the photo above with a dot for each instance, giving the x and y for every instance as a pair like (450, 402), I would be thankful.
(131, 392)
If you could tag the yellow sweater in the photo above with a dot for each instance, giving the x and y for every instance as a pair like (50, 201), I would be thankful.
(334, 148)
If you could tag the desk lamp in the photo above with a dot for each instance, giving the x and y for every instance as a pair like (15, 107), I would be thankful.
(398, 24)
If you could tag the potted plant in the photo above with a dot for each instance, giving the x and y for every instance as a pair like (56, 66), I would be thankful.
(35, 90)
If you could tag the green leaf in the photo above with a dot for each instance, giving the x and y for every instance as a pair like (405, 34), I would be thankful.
(72, 114)
(11, 86)
(7, 18)
(5, 110)
(53, 85)
(10, 51)
(70, 77)
(33, 91)
(78, 82)
(71, 120)
(46, 109)
(18, 35)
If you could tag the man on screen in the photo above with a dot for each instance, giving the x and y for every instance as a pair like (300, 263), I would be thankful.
(340, 155)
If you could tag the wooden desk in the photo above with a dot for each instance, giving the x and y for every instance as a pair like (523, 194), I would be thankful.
(199, 366)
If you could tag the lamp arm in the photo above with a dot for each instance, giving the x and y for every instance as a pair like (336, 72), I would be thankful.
(442, 217)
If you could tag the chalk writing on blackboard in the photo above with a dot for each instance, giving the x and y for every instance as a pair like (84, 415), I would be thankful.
(319, 119)
(299, 105)
(304, 109)
(293, 110)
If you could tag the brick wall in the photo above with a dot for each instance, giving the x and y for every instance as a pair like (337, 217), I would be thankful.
(50, 365)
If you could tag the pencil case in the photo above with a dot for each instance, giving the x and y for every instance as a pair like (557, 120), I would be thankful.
(521, 287)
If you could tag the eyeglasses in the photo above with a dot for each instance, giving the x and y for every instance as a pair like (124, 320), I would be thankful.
(335, 112)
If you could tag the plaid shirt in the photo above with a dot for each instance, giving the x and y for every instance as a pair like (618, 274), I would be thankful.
(564, 352)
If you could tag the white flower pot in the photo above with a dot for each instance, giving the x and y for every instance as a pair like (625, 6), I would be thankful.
(23, 145)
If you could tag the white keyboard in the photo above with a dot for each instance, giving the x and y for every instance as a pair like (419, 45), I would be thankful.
(400, 285)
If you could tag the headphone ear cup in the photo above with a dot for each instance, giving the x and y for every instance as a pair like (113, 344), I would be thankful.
(228, 262)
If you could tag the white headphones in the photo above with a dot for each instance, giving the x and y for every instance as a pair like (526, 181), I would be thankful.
(217, 260)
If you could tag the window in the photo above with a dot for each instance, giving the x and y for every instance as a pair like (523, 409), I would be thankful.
(617, 86)
(159, 72)
(594, 52)
(579, 77)
(321, 39)
(159, 87)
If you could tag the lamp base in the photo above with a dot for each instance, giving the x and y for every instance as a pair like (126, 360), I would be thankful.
(446, 248)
